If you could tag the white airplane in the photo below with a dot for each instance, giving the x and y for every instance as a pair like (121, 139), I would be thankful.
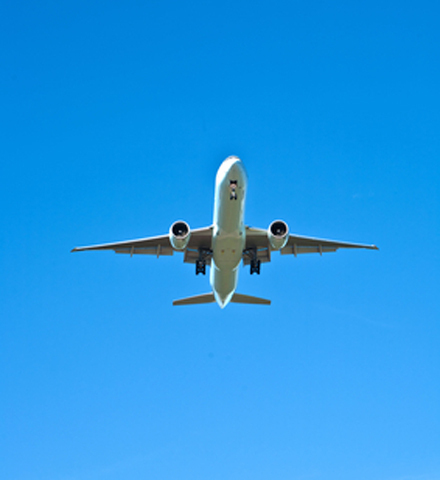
(227, 242)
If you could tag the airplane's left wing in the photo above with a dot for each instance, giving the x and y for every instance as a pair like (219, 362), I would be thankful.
(258, 245)
(298, 244)
(160, 245)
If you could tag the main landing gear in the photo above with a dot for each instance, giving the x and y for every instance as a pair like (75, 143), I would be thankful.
(255, 266)
(255, 262)
(204, 254)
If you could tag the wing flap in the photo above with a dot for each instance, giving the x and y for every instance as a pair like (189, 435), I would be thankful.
(158, 251)
(299, 250)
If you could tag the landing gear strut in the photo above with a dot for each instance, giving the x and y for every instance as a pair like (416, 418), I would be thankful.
(233, 189)
(204, 253)
(255, 262)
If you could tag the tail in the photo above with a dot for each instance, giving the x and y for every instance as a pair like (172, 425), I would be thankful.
(209, 298)
(196, 299)
(239, 298)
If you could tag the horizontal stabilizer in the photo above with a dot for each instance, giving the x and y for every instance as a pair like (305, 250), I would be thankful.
(196, 299)
(239, 298)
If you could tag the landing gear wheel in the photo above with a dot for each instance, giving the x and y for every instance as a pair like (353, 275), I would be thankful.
(200, 267)
(255, 267)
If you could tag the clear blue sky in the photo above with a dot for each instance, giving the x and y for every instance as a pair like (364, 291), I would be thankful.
(114, 119)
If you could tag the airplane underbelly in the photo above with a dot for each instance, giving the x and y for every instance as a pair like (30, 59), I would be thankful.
(227, 252)
(223, 282)
(228, 239)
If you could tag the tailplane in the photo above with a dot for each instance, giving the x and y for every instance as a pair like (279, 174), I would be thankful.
(239, 298)
(196, 299)
(209, 298)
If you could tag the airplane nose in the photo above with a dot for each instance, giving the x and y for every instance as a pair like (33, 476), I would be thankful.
(231, 166)
(231, 161)
(234, 164)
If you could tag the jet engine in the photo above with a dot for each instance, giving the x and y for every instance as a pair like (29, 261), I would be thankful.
(278, 234)
(179, 235)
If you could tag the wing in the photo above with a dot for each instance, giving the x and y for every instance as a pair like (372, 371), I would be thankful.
(257, 240)
(200, 239)
(298, 244)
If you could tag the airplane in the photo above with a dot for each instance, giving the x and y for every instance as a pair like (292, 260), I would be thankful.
(227, 242)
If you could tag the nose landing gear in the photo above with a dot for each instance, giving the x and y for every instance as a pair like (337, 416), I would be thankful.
(233, 190)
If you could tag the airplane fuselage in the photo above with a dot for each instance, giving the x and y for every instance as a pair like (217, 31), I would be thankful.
(229, 235)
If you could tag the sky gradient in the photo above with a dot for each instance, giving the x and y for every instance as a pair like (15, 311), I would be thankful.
(114, 120)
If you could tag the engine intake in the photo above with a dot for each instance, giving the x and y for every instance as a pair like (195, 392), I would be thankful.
(179, 235)
(278, 234)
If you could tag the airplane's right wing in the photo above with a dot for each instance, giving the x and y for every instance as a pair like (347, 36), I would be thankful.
(160, 245)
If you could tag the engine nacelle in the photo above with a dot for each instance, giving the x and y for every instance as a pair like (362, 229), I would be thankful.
(278, 234)
(179, 235)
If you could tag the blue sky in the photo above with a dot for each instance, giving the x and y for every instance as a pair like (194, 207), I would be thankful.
(114, 120)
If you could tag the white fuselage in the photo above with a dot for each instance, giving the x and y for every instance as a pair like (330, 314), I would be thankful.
(229, 236)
